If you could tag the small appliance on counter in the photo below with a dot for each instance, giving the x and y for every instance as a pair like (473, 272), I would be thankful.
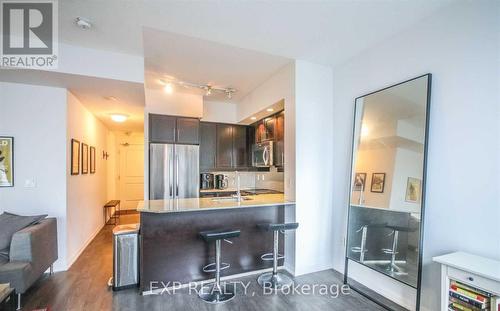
(221, 181)
(207, 181)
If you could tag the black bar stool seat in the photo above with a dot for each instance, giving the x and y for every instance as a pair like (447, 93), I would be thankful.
(214, 235)
(215, 292)
(275, 279)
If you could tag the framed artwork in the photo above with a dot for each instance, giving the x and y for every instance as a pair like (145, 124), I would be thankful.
(6, 161)
(85, 158)
(75, 157)
(413, 190)
(92, 160)
(378, 182)
(359, 182)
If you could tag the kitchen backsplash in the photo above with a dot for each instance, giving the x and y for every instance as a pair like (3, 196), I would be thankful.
(257, 180)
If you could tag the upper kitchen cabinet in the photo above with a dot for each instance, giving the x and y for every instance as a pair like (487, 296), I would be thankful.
(240, 146)
(162, 128)
(208, 145)
(279, 149)
(170, 129)
(265, 129)
(224, 154)
(188, 130)
(224, 146)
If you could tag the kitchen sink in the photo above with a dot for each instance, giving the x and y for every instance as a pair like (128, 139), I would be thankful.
(230, 199)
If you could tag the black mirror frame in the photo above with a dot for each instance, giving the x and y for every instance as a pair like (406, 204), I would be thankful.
(423, 192)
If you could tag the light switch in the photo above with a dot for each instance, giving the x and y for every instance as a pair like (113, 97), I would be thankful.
(30, 183)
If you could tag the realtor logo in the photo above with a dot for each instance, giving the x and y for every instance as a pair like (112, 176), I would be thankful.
(29, 34)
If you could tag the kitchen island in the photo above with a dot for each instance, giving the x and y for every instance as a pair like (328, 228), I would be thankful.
(172, 251)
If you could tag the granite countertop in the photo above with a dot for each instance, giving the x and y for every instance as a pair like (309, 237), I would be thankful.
(205, 204)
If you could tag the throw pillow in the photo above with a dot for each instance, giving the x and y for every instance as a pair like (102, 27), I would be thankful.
(11, 223)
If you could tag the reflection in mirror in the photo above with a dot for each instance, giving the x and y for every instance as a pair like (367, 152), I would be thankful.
(387, 173)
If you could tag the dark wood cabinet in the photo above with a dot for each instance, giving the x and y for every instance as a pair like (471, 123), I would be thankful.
(224, 146)
(162, 128)
(208, 145)
(279, 146)
(224, 156)
(240, 146)
(265, 129)
(188, 130)
(171, 130)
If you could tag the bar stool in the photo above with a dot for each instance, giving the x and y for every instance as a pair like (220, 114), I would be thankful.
(215, 293)
(361, 249)
(393, 268)
(275, 279)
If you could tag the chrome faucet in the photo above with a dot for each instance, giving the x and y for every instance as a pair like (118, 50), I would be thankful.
(238, 186)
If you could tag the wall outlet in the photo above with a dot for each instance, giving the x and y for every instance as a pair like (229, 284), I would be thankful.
(30, 183)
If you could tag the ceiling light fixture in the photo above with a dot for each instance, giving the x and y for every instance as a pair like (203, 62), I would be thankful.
(270, 109)
(83, 23)
(169, 88)
(208, 90)
(253, 118)
(119, 117)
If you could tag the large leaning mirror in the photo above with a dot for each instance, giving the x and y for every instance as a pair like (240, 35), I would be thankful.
(388, 181)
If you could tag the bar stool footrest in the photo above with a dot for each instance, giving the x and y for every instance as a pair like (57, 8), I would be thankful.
(357, 249)
(270, 256)
(389, 251)
(208, 268)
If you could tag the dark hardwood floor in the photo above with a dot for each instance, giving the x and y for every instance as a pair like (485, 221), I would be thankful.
(84, 287)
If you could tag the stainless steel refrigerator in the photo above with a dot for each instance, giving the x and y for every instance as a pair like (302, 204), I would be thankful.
(173, 171)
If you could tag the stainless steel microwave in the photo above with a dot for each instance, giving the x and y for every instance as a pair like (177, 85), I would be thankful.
(262, 154)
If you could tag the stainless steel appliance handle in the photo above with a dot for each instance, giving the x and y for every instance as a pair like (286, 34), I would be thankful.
(177, 174)
(171, 181)
(265, 156)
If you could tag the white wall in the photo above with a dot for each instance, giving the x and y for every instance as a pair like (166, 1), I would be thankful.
(460, 47)
(36, 117)
(176, 104)
(219, 112)
(86, 193)
(313, 167)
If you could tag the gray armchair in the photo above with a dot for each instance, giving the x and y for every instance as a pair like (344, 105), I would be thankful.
(33, 250)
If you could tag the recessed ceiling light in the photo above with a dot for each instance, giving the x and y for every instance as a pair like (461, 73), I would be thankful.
(119, 117)
(169, 88)
(110, 98)
(253, 118)
(83, 23)
(270, 109)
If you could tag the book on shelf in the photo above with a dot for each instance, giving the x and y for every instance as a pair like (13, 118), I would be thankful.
(461, 305)
(471, 289)
(476, 303)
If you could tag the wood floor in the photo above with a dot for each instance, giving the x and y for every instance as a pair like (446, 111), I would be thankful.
(84, 287)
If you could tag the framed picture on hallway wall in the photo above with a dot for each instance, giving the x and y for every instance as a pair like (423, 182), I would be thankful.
(6, 161)
(378, 182)
(75, 157)
(413, 190)
(359, 182)
(85, 158)
(92, 160)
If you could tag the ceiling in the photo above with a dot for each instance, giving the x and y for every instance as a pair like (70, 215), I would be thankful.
(129, 97)
(171, 56)
(324, 32)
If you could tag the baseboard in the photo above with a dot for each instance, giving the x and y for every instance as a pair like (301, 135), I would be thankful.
(89, 240)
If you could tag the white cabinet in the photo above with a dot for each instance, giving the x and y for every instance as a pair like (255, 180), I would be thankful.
(471, 270)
